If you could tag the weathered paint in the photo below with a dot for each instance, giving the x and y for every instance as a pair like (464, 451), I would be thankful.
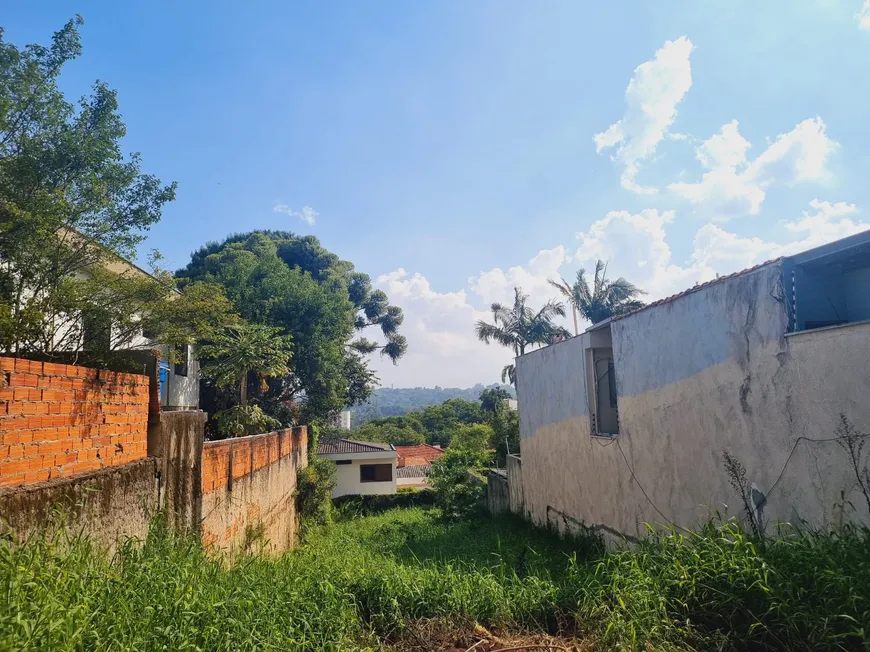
(710, 370)
(557, 372)
(106, 505)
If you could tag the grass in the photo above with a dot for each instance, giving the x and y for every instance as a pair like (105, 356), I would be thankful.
(364, 580)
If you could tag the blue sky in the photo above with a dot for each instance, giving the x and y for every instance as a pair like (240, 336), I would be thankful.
(454, 149)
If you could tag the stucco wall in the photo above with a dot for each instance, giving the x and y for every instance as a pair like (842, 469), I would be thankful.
(347, 475)
(707, 371)
(515, 485)
(497, 493)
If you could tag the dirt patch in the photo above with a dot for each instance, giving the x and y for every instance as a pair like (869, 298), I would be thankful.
(428, 635)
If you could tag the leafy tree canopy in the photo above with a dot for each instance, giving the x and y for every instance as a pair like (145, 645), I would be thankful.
(278, 279)
(72, 207)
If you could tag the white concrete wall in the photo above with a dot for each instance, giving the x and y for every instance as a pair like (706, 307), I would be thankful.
(710, 370)
(348, 475)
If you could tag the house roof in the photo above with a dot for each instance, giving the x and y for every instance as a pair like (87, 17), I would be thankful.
(413, 471)
(332, 446)
(695, 288)
(421, 454)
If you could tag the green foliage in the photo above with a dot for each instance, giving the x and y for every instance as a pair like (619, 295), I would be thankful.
(713, 589)
(387, 401)
(519, 327)
(389, 433)
(280, 280)
(314, 485)
(505, 425)
(606, 298)
(70, 205)
(456, 493)
(350, 507)
(440, 421)
(244, 349)
(493, 399)
(476, 438)
(243, 420)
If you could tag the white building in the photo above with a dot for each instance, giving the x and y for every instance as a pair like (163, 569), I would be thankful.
(363, 467)
(342, 420)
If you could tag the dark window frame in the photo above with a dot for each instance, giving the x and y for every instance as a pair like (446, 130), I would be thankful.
(339, 462)
(378, 473)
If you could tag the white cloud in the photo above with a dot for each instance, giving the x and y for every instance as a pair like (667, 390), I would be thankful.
(651, 99)
(498, 285)
(442, 347)
(307, 214)
(863, 16)
(733, 185)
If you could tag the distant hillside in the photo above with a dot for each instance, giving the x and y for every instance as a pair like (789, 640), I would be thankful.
(387, 402)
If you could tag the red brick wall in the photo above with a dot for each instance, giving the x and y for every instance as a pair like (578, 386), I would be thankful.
(249, 454)
(58, 420)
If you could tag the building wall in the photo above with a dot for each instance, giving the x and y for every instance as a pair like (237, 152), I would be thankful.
(517, 499)
(347, 475)
(248, 486)
(497, 492)
(707, 371)
(59, 420)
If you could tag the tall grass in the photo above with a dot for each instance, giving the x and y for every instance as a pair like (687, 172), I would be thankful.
(364, 579)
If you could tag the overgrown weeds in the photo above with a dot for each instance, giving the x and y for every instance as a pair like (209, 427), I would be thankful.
(369, 579)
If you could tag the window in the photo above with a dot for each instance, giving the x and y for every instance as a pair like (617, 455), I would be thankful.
(343, 462)
(183, 353)
(828, 286)
(376, 473)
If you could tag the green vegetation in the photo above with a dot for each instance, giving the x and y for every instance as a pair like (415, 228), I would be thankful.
(519, 327)
(604, 299)
(395, 402)
(364, 581)
(71, 206)
(289, 283)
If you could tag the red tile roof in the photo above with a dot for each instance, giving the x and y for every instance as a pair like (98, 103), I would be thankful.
(420, 455)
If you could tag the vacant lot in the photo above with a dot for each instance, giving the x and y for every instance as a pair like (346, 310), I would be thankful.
(404, 579)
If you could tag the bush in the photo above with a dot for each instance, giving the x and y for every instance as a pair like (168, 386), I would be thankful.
(244, 420)
(314, 485)
(357, 506)
(456, 492)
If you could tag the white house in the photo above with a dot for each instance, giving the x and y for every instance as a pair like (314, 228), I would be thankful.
(363, 467)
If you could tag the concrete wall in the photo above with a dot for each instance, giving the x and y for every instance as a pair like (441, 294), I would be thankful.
(517, 499)
(348, 475)
(710, 370)
(497, 493)
(106, 505)
(175, 441)
(248, 486)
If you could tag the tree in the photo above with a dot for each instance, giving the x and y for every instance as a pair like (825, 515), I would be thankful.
(493, 399)
(277, 279)
(440, 421)
(519, 327)
(244, 349)
(71, 204)
(389, 433)
(604, 299)
(475, 437)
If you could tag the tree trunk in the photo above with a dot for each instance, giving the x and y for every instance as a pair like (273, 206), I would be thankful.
(574, 312)
(243, 390)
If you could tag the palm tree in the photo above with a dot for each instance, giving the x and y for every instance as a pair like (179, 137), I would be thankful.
(605, 299)
(245, 348)
(519, 327)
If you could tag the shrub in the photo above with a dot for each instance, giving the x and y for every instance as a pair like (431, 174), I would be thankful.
(314, 485)
(456, 492)
(244, 420)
